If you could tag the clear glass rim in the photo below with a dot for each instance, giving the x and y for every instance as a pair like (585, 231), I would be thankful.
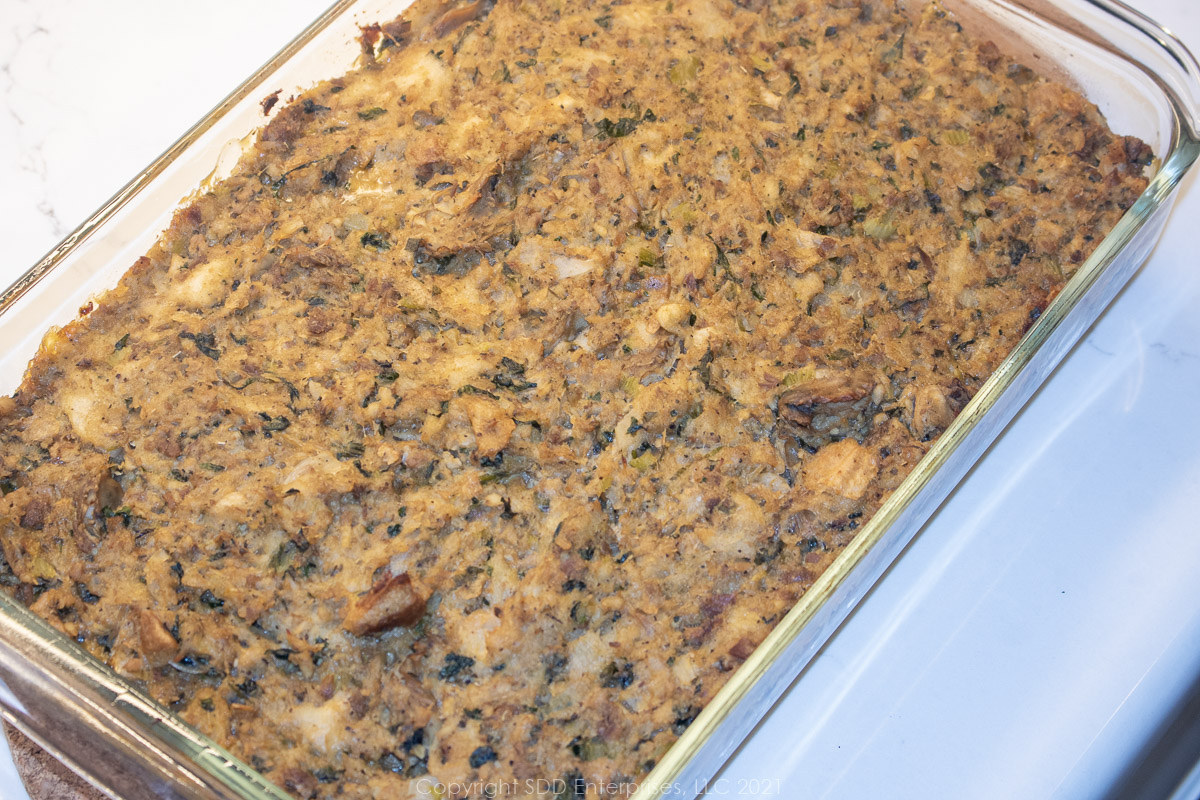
(1184, 98)
(64, 248)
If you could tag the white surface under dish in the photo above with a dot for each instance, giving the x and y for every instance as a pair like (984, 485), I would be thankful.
(1030, 641)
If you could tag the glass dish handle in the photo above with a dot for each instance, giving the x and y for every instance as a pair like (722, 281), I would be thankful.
(1177, 69)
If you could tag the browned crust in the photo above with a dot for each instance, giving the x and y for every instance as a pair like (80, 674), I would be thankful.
(44, 776)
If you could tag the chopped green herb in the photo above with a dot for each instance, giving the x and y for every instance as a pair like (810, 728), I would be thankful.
(588, 749)
(206, 343)
(760, 62)
(893, 53)
(375, 241)
(684, 716)
(607, 129)
(350, 450)
(880, 227)
(956, 137)
(617, 675)
(556, 665)
(1017, 251)
(685, 70)
(82, 592)
(481, 756)
(511, 376)
(454, 667)
(328, 774)
(468, 388)
(124, 512)
(644, 461)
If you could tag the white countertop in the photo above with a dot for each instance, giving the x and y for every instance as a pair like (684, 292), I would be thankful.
(1028, 644)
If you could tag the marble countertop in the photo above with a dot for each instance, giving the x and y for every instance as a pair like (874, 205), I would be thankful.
(1030, 643)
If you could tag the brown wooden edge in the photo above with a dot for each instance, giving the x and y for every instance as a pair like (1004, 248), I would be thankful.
(45, 777)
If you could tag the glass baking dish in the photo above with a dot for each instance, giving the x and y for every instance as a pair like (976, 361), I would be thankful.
(1144, 82)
